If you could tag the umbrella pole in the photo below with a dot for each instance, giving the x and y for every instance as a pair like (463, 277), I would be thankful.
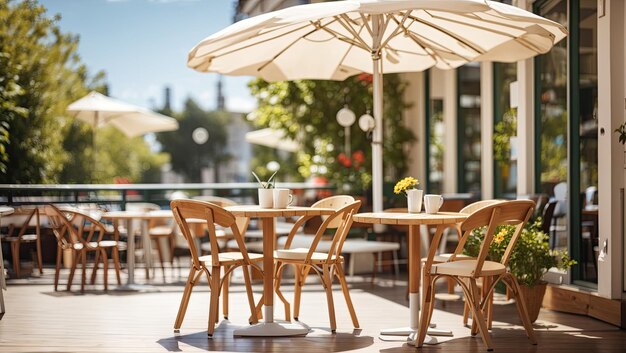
(377, 137)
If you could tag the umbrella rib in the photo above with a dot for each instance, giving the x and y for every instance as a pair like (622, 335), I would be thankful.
(349, 28)
(317, 26)
(475, 48)
(420, 43)
(399, 25)
(367, 24)
(505, 34)
(252, 44)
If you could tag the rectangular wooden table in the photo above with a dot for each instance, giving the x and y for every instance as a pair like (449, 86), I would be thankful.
(268, 218)
(442, 220)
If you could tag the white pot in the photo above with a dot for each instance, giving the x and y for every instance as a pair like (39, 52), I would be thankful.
(414, 200)
(266, 198)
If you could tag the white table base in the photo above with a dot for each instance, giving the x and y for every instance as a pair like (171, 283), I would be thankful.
(271, 328)
(411, 332)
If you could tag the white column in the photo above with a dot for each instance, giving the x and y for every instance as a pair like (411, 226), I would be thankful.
(450, 138)
(525, 129)
(414, 120)
(486, 130)
(611, 106)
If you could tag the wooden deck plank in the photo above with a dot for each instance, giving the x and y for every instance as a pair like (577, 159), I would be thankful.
(41, 320)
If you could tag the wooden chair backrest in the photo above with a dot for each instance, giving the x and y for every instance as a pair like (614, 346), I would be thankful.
(57, 225)
(342, 219)
(213, 215)
(335, 202)
(72, 226)
(515, 213)
(242, 222)
(474, 206)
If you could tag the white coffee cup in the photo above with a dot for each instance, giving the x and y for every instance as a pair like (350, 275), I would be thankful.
(266, 198)
(432, 203)
(282, 198)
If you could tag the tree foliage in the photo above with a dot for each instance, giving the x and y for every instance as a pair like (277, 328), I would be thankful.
(187, 157)
(40, 75)
(306, 110)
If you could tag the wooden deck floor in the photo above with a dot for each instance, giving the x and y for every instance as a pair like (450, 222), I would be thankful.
(41, 320)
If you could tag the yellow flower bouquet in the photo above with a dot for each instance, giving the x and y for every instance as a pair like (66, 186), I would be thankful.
(405, 184)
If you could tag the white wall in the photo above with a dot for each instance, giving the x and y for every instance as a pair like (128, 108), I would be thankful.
(611, 105)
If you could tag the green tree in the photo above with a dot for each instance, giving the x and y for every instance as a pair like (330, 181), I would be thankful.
(187, 157)
(40, 74)
(306, 111)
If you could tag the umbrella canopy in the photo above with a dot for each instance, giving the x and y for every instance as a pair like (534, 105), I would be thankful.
(335, 40)
(99, 110)
(272, 138)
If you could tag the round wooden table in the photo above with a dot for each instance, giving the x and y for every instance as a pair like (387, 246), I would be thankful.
(144, 217)
(267, 217)
(442, 220)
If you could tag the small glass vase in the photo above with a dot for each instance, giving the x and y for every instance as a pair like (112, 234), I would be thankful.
(414, 200)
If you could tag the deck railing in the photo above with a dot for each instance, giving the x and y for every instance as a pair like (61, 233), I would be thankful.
(117, 195)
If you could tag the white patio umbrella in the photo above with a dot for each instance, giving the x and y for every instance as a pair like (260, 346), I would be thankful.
(272, 138)
(99, 110)
(338, 39)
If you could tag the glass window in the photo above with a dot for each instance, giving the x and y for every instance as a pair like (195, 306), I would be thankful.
(505, 130)
(587, 112)
(436, 147)
(553, 104)
(469, 128)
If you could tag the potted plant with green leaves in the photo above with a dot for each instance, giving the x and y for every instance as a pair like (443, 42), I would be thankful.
(266, 191)
(530, 260)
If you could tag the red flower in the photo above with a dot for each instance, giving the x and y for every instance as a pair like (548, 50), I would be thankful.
(344, 160)
(365, 78)
(359, 157)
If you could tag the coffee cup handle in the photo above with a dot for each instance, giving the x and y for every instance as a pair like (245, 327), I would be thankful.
(290, 199)
(440, 201)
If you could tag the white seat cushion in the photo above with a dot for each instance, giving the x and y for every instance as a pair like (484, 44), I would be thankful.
(299, 254)
(229, 256)
(161, 231)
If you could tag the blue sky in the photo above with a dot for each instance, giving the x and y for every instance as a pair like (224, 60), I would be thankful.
(142, 45)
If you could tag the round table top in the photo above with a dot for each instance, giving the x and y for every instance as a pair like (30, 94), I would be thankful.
(406, 218)
(6, 210)
(257, 212)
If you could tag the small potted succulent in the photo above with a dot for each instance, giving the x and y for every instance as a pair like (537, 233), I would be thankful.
(266, 191)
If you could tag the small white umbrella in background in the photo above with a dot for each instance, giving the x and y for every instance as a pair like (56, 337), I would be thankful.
(338, 39)
(272, 138)
(99, 110)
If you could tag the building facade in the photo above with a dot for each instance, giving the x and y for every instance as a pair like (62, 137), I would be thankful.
(513, 130)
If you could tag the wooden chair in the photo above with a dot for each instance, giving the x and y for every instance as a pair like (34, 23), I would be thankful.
(81, 234)
(211, 265)
(325, 265)
(24, 237)
(467, 272)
